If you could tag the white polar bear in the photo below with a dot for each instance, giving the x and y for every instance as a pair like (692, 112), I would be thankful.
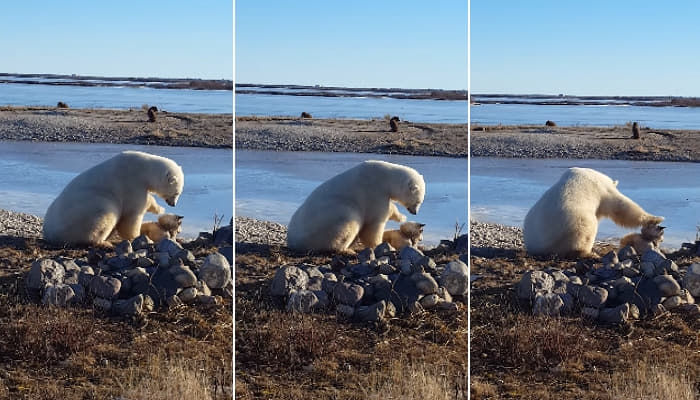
(113, 195)
(355, 204)
(564, 221)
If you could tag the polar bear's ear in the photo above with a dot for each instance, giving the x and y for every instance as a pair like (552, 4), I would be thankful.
(615, 183)
(414, 188)
(172, 179)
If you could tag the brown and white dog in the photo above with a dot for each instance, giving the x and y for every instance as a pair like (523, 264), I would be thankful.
(652, 235)
(168, 226)
(408, 234)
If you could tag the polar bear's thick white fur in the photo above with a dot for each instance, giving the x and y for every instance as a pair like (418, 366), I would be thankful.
(355, 204)
(564, 221)
(112, 196)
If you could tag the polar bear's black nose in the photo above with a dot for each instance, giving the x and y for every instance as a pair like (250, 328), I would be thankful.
(170, 202)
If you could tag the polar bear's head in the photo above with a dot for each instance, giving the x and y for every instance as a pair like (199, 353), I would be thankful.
(413, 192)
(173, 183)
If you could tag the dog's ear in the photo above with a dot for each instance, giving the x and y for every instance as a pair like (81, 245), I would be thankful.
(179, 217)
(662, 227)
(421, 225)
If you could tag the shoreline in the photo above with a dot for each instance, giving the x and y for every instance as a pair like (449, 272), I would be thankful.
(92, 125)
(604, 143)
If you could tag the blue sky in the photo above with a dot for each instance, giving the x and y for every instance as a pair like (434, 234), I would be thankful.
(586, 47)
(406, 44)
(174, 39)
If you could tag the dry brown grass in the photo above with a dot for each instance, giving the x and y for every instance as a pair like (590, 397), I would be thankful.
(168, 380)
(649, 381)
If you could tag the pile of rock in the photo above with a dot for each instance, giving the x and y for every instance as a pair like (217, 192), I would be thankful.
(139, 277)
(623, 287)
(383, 283)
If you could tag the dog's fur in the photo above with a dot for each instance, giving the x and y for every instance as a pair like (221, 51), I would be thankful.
(408, 234)
(651, 237)
(168, 226)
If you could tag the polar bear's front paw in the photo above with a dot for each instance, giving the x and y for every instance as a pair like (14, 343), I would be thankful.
(654, 220)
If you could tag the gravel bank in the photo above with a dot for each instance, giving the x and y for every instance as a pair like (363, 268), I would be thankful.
(355, 136)
(605, 143)
(251, 230)
(18, 224)
(487, 235)
(115, 126)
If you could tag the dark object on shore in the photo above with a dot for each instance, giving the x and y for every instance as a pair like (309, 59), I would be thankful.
(61, 105)
(550, 123)
(306, 115)
(635, 131)
(394, 123)
(152, 112)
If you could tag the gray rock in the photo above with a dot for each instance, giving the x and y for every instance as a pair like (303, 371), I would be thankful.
(105, 287)
(425, 283)
(653, 256)
(672, 302)
(430, 301)
(187, 257)
(44, 272)
(615, 315)
(372, 313)
(532, 283)
(590, 313)
(162, 258)
(287, 279)
(559, 276)
(227, 251)
(148, 304)
(130, 306)
(123, 248)
(302, 301)
(383, 249)
(448, 306)
(71, 276)
(610, 258)
(345, 311)
(314, 272)
(141, 243)
(168, 246)
(648, 269)
(592, 296)
(575, 280)
(85, 277)
(208, 300)
(348, 293)
(569, 303)
(183, 275)
(455, 278)
(144, 262)
(686, 297)
(667, 285)
(119, 262)
(102, 304)
(174, 301)
(630, 272)
(188, 295)
(549, 304)
(365, 255)
(627, 253)
(426, 263)
(329, 282)
(386, 269)
(216, 271)
(323, 299)
(411, 254)
(57, 295)
(690, 309)
(78, 293)
(691, 280)
(315, 283)
(362, 269)
(223, 235)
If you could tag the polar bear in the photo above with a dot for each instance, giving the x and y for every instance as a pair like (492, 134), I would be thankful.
(355, 204)
(112, 196)
(564, 221)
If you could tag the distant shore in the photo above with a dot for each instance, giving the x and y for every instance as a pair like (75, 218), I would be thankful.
(565, 100)
(155, 83)
(605, 143)
(52, 124)
(338, 91)
(354, 136)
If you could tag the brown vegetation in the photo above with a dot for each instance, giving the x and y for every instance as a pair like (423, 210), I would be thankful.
(61, 105)
(305, 115)
(550, 123)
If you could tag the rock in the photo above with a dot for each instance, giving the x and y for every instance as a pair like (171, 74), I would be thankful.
(130, 306)
(208, 300)
(448, 306)
(411, 254)
(102, 304)
(430, 301)
(404, 293)
(345, 311)
(174, 301)
(302, 301)
(559, 276)
(105, 287)
(415, 308)
(462, 243)
(653, 256)
(348, 293)
(425, 283)
(188, 295)
(455, 278)
(315, 283)
(183, 275)
(365, 255)
(223, 235)
(672, 302)
(323, 300)
(168, 246)
(123, 248)
(667, 285)
(532, 283)
(548, 304)
(630, 272)
(119, 262)
(691, 281)
(648, 269)
(426, 263)
(44, 272)
(610, 258)
(148, 304)
(616, 315)
(329, 282)
(590, 313)
(85, 276)
(141, 243)
(372, 313)
(690, 309)
(227, 251)
(57, 295)
(362, 269)
(384, 249)
(627, 253)
(386, 269)
(592, 296)
(216, 271)
(144, 262)
(287, 279)
(186, 257)
(78, 293)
